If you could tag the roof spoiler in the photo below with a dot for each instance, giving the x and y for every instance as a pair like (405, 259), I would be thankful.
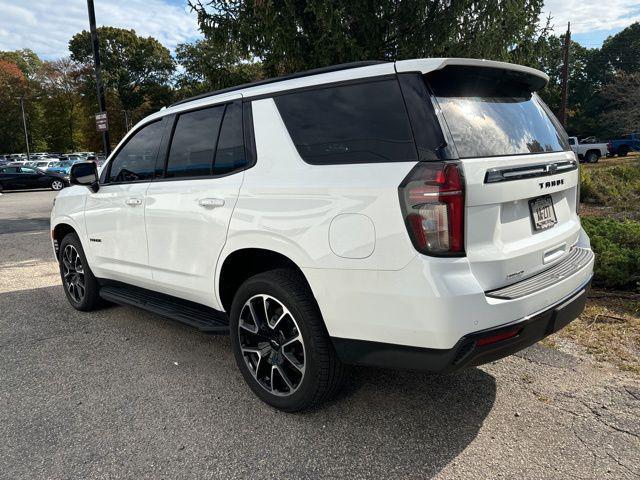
(530, 77)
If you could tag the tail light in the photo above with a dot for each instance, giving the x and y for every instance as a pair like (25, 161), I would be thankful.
(432, 199)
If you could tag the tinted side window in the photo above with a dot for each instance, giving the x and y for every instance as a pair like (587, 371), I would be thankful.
(194, 143)
(230, 155)
(363, 123)
(136, 160)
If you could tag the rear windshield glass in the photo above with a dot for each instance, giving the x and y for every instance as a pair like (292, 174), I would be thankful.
(361, 123)
(492, 126)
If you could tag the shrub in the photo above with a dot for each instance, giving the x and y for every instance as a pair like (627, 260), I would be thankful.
(617, 247)
(616, 186)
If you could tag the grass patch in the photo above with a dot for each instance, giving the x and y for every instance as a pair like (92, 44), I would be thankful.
(613, 185)
(609, 329)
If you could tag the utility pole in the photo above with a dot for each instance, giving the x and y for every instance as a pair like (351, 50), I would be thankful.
(24, 124)
(565, 76)
(96, 60)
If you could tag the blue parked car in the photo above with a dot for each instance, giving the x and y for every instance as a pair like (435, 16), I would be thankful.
(61, 168)
(626, 143)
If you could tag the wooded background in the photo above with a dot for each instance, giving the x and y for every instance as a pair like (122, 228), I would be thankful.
(255, 39)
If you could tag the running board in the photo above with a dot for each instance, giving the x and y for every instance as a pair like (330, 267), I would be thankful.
(203, 318)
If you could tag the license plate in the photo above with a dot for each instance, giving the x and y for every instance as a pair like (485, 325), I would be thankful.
(543, 215)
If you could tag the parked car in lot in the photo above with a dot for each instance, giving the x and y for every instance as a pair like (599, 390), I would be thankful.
(624, 145)
(415, 214)
(45, 164)
(589, 152)
(20, 177)
(60, 167)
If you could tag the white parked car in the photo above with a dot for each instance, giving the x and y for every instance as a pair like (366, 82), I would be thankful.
(417, 214)
(589, 152)
(44, 164)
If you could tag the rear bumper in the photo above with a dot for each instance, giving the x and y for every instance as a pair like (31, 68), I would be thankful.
(470, 350)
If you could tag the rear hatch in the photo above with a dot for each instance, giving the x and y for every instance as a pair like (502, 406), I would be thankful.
(520, 175)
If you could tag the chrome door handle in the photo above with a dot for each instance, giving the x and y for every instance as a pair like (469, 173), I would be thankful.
(211, 202)
(133, 201)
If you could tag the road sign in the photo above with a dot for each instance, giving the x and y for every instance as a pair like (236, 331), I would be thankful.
(102, 124)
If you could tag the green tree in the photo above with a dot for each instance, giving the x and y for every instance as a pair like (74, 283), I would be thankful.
(207, 67)
(62, 82)
(133, 66)
(622, 95)
(621, 52)
(292, 35)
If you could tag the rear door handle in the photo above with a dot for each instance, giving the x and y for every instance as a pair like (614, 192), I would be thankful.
(211, 202)
(133, 201)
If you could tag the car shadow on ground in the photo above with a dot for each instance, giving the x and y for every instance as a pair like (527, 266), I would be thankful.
(23, 225)
(121, 379)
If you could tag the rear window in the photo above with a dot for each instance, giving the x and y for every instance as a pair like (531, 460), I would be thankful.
(492, 112)
(358, 123)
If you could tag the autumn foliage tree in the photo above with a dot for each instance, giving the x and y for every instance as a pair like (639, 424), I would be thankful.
(13, 85)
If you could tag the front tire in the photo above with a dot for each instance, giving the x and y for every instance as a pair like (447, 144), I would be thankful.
(80, 286)
(57, 185)
(280, 343)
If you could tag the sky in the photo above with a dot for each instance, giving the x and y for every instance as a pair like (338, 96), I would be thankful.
(45, 26)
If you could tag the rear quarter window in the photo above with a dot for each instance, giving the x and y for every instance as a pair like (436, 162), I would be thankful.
(355, 123)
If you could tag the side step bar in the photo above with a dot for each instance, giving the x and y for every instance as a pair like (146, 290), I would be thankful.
(203, 318)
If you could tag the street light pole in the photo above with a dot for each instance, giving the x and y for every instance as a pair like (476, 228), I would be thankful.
(96, 60)
(24, 124)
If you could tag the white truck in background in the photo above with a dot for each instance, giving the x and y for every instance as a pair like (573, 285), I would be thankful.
(587, 151)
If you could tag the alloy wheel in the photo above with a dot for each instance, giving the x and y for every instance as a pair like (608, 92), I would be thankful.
(73, 273)
(272, 345)
(57, 185)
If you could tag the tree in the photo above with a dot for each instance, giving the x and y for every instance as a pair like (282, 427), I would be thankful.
(293, 35)
(621, 52)
(62, 82)
(26, 60)
(207, 67)
(622, 114)
(13, 85)
(132, 65)
(585, 82)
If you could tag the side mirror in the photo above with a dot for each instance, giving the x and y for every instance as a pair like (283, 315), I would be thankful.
(85, 173)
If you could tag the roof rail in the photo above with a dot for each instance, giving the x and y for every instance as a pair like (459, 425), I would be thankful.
(306, 73)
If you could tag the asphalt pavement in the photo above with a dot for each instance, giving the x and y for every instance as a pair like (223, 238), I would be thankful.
(121, 393)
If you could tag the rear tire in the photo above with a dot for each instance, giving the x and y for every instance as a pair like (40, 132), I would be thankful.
(623, 151)
(591, 157)
(80, 286)
(280, 342)
(57, 185)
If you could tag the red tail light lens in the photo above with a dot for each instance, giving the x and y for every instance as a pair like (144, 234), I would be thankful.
(432, 199)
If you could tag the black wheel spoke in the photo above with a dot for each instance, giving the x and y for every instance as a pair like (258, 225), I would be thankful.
(272, 345)
(73, 273)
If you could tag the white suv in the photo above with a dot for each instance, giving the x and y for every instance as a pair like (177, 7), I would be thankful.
(416, 214)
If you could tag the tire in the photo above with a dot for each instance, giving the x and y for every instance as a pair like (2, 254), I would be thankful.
(80, 287)
(623, 151)
(57, 185)
(592, 157)
(286, 372)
